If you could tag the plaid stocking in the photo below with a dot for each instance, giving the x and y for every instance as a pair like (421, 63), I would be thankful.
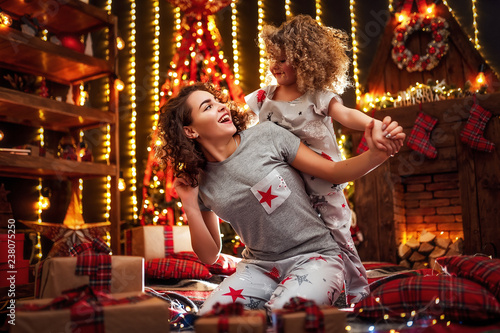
(420, 135)
(363, 146)
(473, 132)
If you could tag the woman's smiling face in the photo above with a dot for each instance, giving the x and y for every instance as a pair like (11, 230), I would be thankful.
(210, 118)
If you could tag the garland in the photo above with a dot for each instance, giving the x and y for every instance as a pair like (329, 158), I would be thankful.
(435, 50)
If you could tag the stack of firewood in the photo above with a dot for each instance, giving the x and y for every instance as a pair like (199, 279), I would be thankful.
(422, 252)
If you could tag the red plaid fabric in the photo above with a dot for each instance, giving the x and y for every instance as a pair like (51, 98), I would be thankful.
(172, 268)
(314, 317)
(362, 147)
(128, 242)
(169, 240)
(482, 270)
(419, 139)
(457, 298)
(473, 132)
(86, 306)
(93, 259)
(224, 311)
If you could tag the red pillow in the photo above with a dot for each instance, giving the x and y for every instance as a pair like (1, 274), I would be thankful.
(456, 298)
(225, 264)
(482, 270)
(172, 268)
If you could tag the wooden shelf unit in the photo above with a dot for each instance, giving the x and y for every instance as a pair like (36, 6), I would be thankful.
(31, 55)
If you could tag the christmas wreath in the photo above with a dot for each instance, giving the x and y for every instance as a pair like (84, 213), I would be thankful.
(436, 49)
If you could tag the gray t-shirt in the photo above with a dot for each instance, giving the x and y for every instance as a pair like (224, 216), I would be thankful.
(264, 198)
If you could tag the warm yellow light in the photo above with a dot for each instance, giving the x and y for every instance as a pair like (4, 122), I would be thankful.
(480, 78)
(121, 185)
(401, 17)
(430, 9)
(5, 19)
(119, 85)
(120, 44)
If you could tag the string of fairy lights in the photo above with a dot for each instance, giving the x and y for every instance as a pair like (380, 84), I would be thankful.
(234, 42)
(133, 108)
(319, 11)
(262, 52)
(355, 50)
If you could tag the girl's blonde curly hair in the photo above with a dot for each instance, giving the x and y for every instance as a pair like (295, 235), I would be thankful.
(317, 53)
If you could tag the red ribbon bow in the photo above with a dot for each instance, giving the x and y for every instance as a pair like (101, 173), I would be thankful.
(97, 245)
(224, 311)
(314, 317)
(93, 259)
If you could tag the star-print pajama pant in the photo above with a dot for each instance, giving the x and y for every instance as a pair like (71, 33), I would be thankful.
(270, 284)
(339, 223)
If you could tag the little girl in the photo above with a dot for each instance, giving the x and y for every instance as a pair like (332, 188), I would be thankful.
(310, 65)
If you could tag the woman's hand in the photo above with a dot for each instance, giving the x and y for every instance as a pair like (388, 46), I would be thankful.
(187, 193)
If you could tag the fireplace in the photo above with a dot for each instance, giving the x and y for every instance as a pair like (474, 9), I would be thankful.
(452, 197)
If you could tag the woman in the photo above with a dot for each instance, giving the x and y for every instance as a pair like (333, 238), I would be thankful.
(247, 177)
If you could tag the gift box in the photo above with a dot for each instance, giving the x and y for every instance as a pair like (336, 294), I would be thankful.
(17, 274)
(235, 320)
(56, 275)
(122, 312)
(157, 241)
(331, 319)
(14, 243)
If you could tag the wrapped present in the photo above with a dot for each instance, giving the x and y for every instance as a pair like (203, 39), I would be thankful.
(301, 315)
(16, 274)
(157, 241)
(232, 318)
(86, 310)
(11, 247)
(91, 266)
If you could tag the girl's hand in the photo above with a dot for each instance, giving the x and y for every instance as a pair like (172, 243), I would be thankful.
(379, 154)
(388, 136)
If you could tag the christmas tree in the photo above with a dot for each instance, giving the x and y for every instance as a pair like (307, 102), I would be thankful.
(197, 58)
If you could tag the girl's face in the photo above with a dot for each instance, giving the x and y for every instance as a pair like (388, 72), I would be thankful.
(283, 71)
(211, 119)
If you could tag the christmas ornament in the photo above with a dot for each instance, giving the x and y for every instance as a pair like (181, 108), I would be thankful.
(435, 50)
(419, 139)
(72, 42)
(473, 132)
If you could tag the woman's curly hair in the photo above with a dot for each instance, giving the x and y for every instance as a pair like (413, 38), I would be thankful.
(184, 155)
(317, 53)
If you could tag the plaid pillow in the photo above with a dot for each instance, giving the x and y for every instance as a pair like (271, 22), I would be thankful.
(456, 298)
(172, 268)
(225, 264)
(482, 270)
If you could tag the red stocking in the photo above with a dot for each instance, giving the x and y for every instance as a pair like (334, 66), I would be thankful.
(419, 139)
(473, 132)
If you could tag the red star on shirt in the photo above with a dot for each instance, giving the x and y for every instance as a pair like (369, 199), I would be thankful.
(235, 294)
(286, 279)
(267, 196)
